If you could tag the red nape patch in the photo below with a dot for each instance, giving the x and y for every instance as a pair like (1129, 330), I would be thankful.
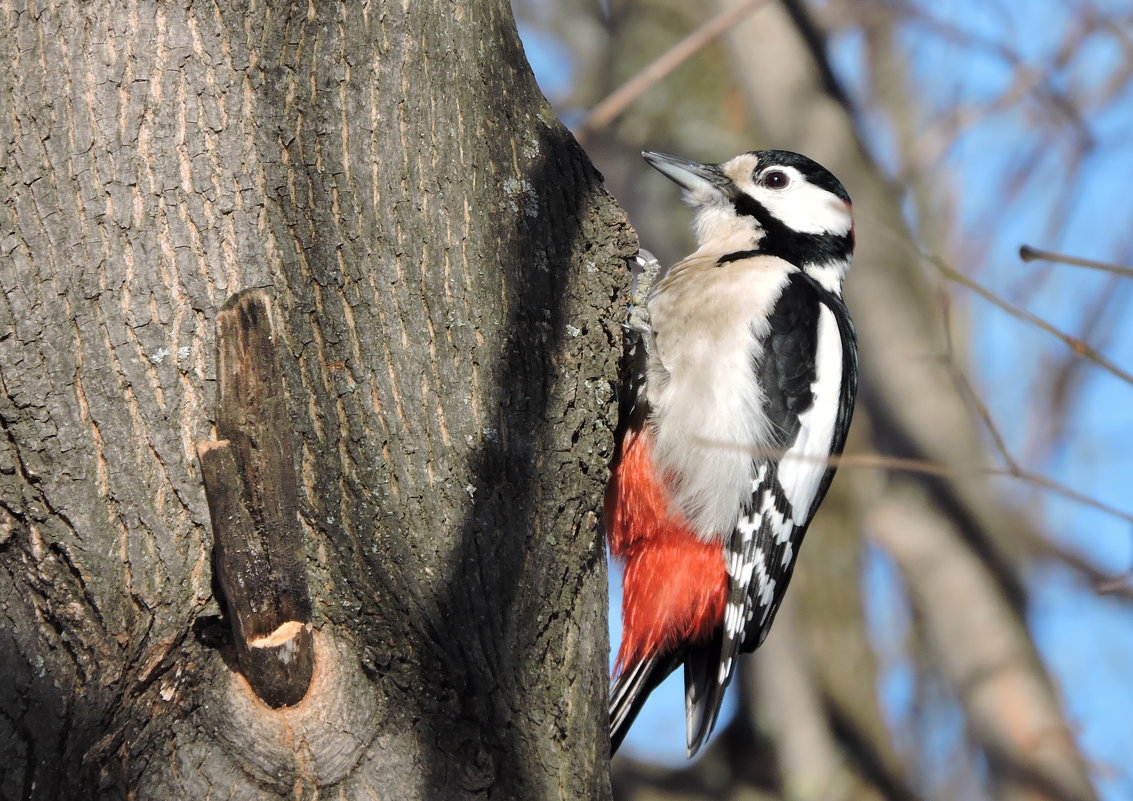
(675, 585)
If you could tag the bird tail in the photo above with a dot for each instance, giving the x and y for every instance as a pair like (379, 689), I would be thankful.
(630, 689)
(704, 692)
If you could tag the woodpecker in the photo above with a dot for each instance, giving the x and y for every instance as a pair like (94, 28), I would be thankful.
(742, 377)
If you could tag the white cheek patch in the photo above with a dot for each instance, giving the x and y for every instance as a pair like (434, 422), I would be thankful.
(808, 209)
(801, 205)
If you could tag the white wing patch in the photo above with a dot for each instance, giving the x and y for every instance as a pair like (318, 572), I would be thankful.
(765, 585)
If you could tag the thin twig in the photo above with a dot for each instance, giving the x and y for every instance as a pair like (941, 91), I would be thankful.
(1102, 583)
(1028, 253)
(984, 414)
(1083, 349)
(966, 389)
(617, 101)
(880, 461)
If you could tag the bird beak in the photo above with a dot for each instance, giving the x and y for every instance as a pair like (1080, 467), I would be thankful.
(692, 176)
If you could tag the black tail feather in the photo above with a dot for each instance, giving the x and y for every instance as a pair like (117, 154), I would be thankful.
(703, 693)
(631, 688)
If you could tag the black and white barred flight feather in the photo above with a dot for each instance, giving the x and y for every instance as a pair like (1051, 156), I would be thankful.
(760, 553)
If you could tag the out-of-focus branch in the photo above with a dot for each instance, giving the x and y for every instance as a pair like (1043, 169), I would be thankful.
(617, 101)
(882, 462)
(1068, 374)
(964, 384)
(1102, 583)
(789, 703)
(1083, 349)
(1028, 254)
(1032, 80)
(983, 649)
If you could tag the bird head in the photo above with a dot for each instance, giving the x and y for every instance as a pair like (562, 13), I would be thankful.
(770, 202)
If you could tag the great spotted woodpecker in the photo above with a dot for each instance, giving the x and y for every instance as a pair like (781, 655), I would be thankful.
(743, 378)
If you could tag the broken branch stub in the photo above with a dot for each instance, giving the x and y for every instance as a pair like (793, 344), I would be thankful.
(250, 484)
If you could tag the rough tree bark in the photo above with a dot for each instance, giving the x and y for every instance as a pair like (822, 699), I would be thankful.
(444, 270)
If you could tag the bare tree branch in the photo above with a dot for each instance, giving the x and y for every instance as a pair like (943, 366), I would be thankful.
(1028, 254)
(1083, 349)
(984, 651)
(621, 98)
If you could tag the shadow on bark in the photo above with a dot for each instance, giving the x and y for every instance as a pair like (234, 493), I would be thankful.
(506, 546)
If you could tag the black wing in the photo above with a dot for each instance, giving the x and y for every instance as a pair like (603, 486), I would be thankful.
(808, 371)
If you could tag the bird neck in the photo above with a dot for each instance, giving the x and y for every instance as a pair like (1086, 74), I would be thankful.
(828, 274)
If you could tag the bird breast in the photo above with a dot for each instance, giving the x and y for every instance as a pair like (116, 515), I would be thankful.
(707, 417)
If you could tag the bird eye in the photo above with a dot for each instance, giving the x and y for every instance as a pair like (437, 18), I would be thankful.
(776, 179)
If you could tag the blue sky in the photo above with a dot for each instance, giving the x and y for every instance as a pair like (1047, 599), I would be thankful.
(1072, 178)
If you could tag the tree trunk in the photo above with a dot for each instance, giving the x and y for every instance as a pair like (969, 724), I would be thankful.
(443, 271)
